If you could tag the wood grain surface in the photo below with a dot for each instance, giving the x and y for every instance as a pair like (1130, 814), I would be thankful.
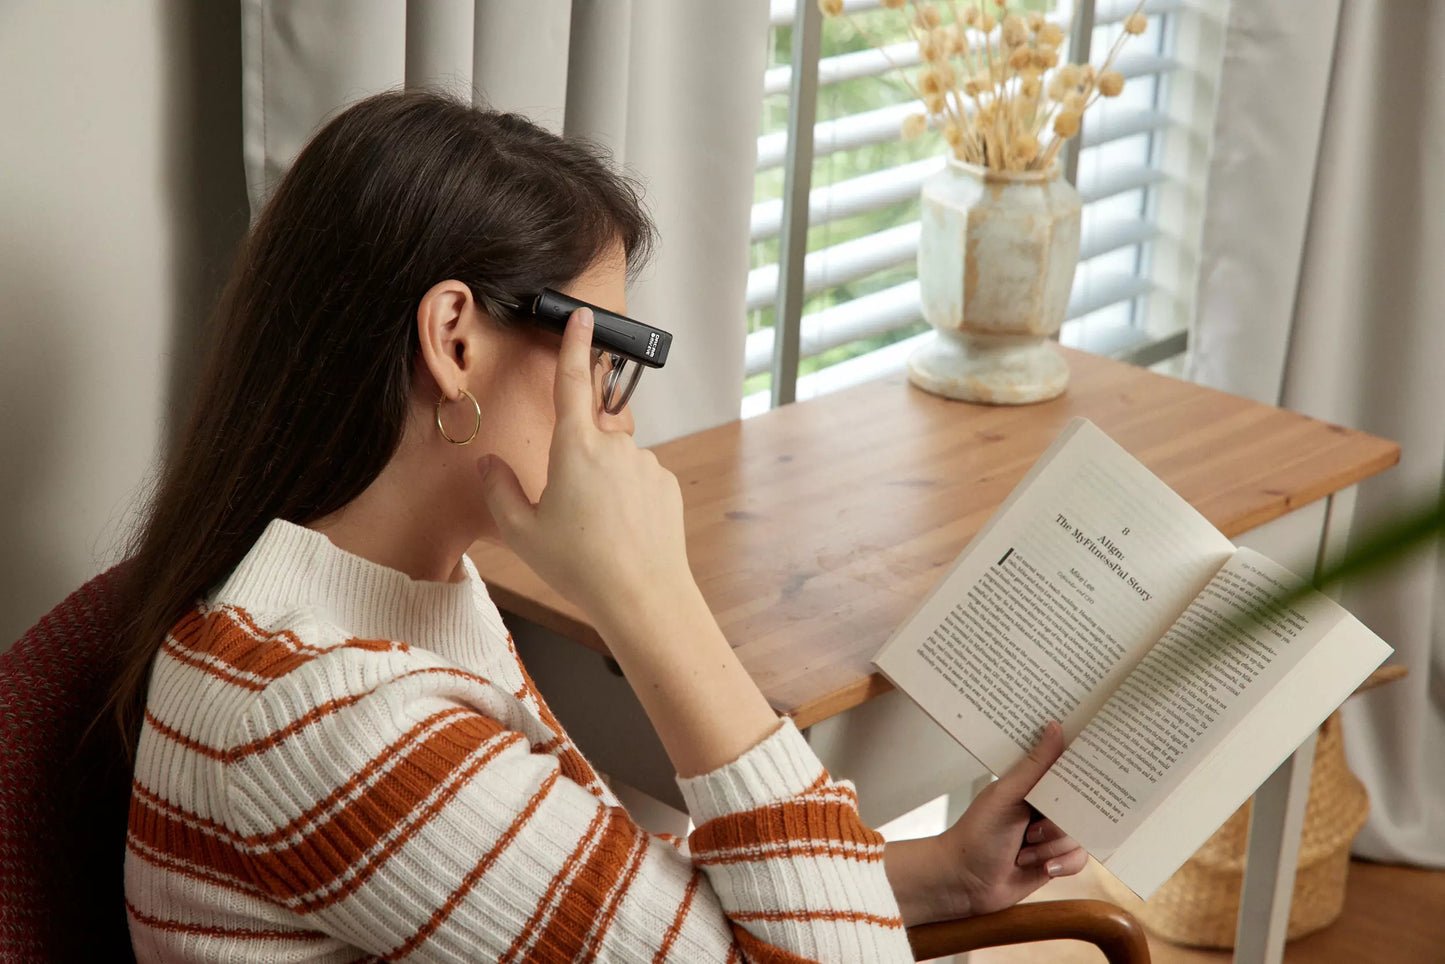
(1391, 916)
(815, 529)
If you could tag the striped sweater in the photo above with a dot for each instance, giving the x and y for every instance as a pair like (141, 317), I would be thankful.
(339, 763)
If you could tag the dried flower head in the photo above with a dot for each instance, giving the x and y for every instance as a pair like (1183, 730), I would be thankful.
(1023, 103)
(1045, 56)
(1015, 31)
(1111, 83)
(1026, 147)
(957, 43)
(927, 17)
(831, 8)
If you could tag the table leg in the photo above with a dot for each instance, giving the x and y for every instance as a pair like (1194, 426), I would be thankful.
(1270, 862)
(1279, 805)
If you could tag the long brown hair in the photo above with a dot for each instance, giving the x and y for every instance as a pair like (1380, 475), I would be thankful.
(305, 393)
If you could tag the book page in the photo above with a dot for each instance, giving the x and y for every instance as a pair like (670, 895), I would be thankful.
(1061, 593)
(1228, 649)
(1248, 755)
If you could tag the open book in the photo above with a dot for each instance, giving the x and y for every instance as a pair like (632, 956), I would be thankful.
(1098, 597)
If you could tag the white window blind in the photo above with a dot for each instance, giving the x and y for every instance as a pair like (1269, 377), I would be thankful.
(854, 307)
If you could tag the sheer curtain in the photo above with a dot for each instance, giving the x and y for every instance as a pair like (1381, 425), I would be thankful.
(1322, 290)
(672, 89)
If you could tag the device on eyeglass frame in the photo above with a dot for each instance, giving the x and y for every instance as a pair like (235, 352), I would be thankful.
(611, 332)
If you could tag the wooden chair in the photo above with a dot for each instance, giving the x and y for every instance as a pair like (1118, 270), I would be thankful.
(63, 803)
(1111, 929)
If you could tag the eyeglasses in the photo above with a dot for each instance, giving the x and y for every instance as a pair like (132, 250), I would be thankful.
(629, 345)
(619, 382)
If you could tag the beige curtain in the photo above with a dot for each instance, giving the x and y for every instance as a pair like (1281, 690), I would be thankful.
(1323, 290)
(672, 88)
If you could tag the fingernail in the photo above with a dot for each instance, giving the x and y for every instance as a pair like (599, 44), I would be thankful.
(1055, 868)
(1035, 834)
(584, 317)
(1028, 858)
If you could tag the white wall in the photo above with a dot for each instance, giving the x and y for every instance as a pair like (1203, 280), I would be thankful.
(118, 205)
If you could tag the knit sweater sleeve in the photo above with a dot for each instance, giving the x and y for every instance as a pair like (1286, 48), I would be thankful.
(403, 815)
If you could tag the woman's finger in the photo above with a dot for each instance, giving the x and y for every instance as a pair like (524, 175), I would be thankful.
(1021, 777)
(509, 505)
(1064, 865)
(1042, 829)
(572, 391)
(1046, 851)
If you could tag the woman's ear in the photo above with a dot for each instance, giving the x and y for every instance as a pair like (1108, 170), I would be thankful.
(450, 335)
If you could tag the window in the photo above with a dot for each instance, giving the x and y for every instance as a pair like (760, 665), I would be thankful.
(1140, 170)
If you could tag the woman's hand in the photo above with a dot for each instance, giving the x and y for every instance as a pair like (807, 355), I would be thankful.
(998, 852)
(607, 534)
(607, 531)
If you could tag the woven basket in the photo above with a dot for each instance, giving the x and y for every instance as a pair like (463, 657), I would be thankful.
(1199, 905)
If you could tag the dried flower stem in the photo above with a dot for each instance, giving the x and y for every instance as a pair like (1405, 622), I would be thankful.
(999, 108)
(886, 55)
(966, 55)
(1109, 60)
(1113, 52)
(951, 112)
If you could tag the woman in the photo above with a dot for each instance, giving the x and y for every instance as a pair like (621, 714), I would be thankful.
(338, 754)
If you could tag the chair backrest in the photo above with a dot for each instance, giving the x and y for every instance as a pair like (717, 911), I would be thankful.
(63, 800)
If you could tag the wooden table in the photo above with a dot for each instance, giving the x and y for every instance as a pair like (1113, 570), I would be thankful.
(814, 530)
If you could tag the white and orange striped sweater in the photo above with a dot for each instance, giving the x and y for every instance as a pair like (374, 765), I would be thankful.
(339, 764)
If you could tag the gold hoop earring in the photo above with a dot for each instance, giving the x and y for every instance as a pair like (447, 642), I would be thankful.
(476, 427)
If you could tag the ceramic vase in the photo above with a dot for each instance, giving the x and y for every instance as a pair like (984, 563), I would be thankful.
(996, 263)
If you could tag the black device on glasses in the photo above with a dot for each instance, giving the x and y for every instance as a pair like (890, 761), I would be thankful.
(611, 332)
